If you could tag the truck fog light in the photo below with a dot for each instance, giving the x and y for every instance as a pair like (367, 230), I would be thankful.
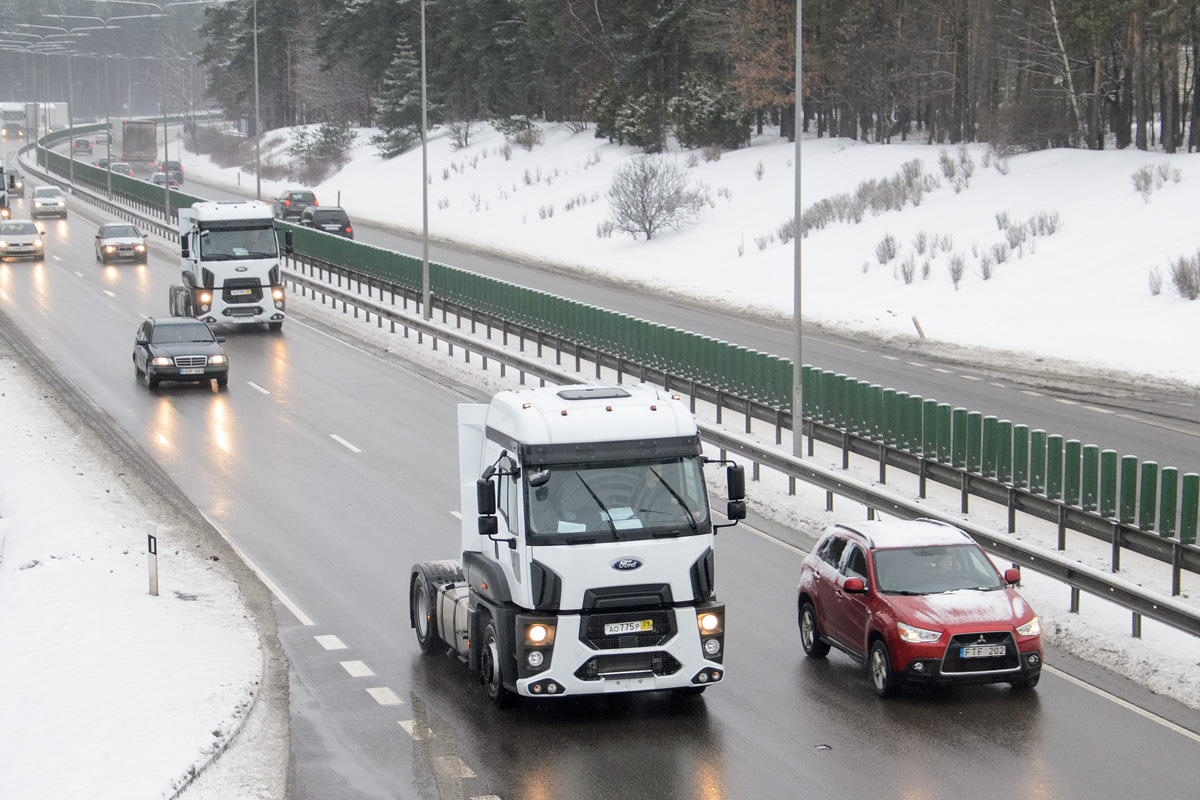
(535, 658)
(702, 677)
(712, 647)
(552, 688)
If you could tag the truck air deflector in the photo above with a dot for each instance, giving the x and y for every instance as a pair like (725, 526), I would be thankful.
(586, 452)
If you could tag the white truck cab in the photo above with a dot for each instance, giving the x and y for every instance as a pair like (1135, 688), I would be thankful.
(588, 558)
(230, 262)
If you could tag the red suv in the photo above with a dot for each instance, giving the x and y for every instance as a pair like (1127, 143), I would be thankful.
(918, 602)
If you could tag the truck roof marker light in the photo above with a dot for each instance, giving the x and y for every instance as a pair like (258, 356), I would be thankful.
(654, 408)
(526, 405)
(483, 585)
(608, 408)
(563, 412)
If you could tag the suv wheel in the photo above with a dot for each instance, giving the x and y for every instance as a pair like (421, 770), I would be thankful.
(883, 678)
(810, 634)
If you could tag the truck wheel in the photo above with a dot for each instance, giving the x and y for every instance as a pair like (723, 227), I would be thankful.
(810, 634)
(275, 326)
(489, 668)
(421, 609)
(689, 691)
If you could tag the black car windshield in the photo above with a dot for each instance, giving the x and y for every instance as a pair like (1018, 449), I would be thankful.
(181, 332)
(17, 229)
(218, 244)
(934, 570)
(619, 500)
(121, 231)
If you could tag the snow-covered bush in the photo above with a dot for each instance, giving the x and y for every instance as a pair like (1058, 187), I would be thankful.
(650, 193)
(887, 249)
(708, 113)
(1185, 276)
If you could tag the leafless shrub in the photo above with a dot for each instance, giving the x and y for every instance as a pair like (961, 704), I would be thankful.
(506, 151)
(921, 242)
(1002, 165)
(948, 163)
(1185, 276)
(545, 212)
(1016, 235)
(762, 242)
(987, 266)
(445, 173)
(1156, 281)
(1044, 223)
(887, 249)
(1176, 175)
(1002, 220)
(966, 166)
(908, 269)
(712, 152)
(727, 193)
(650, 192)
(1001, 252)
(575, 125)
(946, 242)
(693, 159)
(786, 230)
(1143, 181)
(443, 202)
(926, 268)
(956, 267)
(460, 132)
(759, 170)
(604, 230)
(1161, 173)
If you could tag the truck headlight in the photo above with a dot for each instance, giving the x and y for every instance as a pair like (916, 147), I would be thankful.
(910, 633)
(710, 622)
(277, 293)
(205, 298)
(712, 646)
(539, 634)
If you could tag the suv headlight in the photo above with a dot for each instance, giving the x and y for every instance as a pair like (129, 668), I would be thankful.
(911, 633)
(1031, 628)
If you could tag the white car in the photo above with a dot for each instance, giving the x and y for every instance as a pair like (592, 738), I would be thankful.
(119, 240)
(48, 201)
(20, 238)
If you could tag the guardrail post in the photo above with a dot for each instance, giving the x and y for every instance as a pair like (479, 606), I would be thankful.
(960, 437)
(1149, 495)
(887, 433)
(1129, 469)
(898, 435)
(987, 460)
(1038, 467)
(916, 405)
(1072, 458)
(1020, 456)
(1090, 477)
(974, 441)
(943, 433)
(1004, 451)
(1189, 500)
(1168, 501)
(875, 413)
(1108, 486)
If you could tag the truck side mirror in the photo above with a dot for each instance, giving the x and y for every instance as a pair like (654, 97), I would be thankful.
(735, 476)
(183, 248)
(485, 497)
(735, 509)
(488, 525)
(287, 242)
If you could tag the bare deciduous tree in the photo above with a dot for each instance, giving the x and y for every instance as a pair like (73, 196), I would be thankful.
(650, 193)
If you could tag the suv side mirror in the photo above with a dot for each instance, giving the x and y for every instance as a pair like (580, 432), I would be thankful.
(854, 586)
(1012, 576)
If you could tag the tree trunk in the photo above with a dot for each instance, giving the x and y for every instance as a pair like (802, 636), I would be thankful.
(1140, 96)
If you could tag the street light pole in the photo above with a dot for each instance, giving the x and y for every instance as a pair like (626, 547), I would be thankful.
(426, 294)
(257, 118)
(798, 362)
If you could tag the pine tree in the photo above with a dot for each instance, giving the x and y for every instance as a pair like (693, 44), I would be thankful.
(400, 102)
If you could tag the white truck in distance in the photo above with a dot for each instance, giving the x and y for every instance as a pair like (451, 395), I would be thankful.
(587, 547)
(231, 271)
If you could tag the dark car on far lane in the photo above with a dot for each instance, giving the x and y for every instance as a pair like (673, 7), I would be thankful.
(291, 204)
(179, 349)
(331, 219)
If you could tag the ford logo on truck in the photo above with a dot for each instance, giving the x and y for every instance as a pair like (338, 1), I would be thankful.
(626, 564)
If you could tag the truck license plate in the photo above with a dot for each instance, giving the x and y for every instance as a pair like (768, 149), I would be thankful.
(982, 651)
(240, 291)
(618, 628)
(192, 371)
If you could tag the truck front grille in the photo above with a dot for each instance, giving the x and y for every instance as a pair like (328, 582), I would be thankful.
(242, 290)
(591, 629)
(628, 665)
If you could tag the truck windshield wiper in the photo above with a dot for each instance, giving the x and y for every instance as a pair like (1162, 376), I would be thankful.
(605, 513)
(678, 499)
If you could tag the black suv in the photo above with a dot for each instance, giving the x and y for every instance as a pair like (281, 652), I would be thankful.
(291, 204)
(331, 219)
(173, 169)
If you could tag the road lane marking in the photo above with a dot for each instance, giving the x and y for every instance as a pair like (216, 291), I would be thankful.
(773, 539)
(970, 378)
(357, 669)
(262, 576)
(1099, 410)
(385, 696)
(943, 371)
(454, 766)
(914, 363)
(1164, 426)
(998, 385)
(330, 642)
(257, 388)
(891, 358)
(418, 734)
(1166, 723)
(107, 292)
(1032, 393)
(80, 274)
(344, 443)
(457, 515)
(1065, 401)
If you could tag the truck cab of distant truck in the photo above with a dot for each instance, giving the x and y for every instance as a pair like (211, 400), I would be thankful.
(588, 561)
(230, 265)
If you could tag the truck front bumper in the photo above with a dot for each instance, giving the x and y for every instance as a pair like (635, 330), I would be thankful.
(579, 662)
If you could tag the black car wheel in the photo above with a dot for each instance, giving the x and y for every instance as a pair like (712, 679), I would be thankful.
(810, 634)
(151, 381)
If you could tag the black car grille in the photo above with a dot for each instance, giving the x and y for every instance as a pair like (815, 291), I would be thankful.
(235, 291)
(628, 665)
(953, 662)
(591, 629)
(184, 362)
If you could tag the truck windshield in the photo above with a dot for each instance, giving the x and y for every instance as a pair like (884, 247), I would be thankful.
(581, 503)
(221, 244)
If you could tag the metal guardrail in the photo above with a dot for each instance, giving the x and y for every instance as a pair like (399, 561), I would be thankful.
(1139, 601)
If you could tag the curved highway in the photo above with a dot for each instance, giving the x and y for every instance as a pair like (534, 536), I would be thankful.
(332, 468)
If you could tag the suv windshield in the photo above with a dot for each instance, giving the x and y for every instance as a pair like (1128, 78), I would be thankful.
(227, 245)
(580, 503)
(933, 570)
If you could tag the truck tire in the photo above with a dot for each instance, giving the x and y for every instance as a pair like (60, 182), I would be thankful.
(275, 326)
(489, 669)
(420, 605)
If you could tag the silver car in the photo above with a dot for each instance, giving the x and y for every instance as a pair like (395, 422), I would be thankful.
(48, 201)
(119, 240)
(20, 238)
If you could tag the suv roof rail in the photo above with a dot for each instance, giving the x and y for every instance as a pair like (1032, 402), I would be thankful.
(856, 531)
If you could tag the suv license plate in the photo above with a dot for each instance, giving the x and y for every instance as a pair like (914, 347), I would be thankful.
(982, 651)
(618, 628)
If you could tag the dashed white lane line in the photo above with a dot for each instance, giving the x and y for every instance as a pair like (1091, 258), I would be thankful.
(890, 358)
(330, 642)
(1032, 393)
(453, 765)
(418, 734)
(1099, 410)
(56, 258)
(344, 443)
(257, 388)
(357, 669)
(1123, 703)
(970, 378)
(943, 371)
(80, 274)
(914, 364)
(385, 696)
(997, 385)
(110, 294)
(1065, 401)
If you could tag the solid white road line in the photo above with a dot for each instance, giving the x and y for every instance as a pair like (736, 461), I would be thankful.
(1166, 723)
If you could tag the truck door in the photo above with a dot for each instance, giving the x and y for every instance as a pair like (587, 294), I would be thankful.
(508, 514)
